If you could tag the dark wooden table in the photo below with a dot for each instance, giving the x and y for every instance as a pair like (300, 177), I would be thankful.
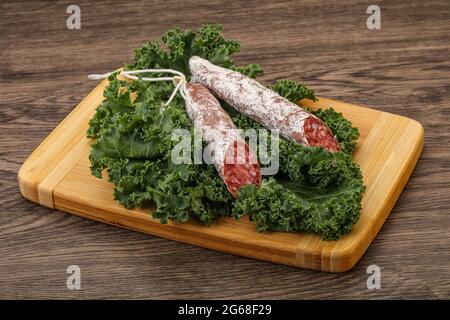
(402, 68)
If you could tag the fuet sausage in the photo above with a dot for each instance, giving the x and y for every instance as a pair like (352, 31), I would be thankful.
(263, 105)
(233, 159)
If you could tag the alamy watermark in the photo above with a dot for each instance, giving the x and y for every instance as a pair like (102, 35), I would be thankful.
(374, 280)
(73, 21)
(226, 149)
(373, 22)
(73, 282)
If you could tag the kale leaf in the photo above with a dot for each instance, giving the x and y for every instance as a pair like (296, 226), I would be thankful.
(207, 43)
(293, 91)
(280, 205)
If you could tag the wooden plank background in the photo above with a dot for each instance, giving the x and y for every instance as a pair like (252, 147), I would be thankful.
(403, 68)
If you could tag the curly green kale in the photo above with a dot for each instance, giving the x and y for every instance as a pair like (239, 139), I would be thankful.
(293, 91)
(291, 207)
(207, 43)
(133, 141)
(314, 190)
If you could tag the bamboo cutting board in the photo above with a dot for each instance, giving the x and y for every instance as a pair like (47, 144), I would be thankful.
(57, 175)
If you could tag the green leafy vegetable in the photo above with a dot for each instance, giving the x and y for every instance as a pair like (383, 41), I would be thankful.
(293, 91)
(207, 43)
(292, 207)
(133, 141)
(132, 131)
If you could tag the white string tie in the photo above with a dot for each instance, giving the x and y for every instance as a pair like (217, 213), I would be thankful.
(178, 79)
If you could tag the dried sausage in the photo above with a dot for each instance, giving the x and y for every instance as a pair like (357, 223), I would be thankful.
(233, 159)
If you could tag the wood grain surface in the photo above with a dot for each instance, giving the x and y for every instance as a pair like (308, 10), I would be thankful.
(404, 68)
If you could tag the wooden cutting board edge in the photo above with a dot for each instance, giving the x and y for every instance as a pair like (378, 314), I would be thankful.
(44, 169)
